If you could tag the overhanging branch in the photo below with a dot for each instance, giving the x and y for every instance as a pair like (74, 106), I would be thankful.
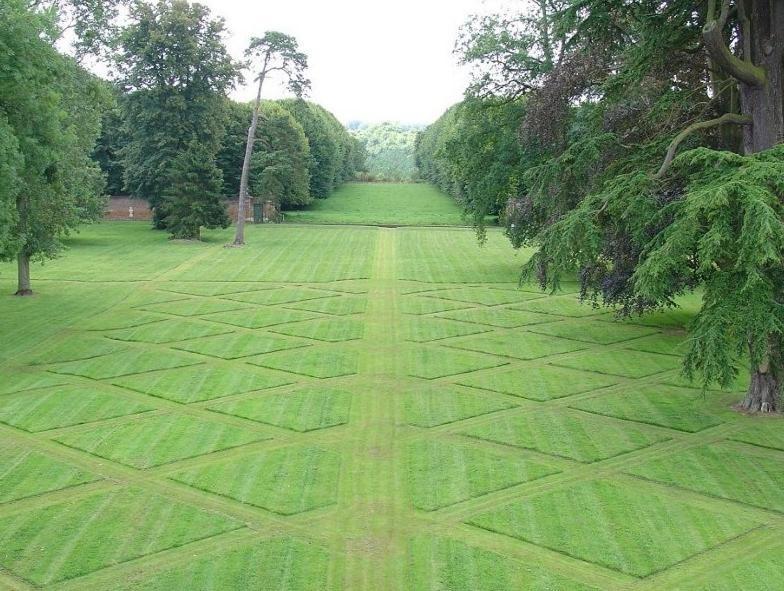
(742, 70)
(726, 119)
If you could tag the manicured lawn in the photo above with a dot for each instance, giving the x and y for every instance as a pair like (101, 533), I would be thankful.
(404, 204)
(362, 408)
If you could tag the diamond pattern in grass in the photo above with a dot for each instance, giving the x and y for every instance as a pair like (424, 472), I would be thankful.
(667, 344)
(485, 296)
(561, 433)
(342, 306)
(65, 406)
(426, 305)
(77, 348)
(308, 409)
(168, 331)
(561, 306)
(331, 330)
(443, 473)
(437, 362)
(261, 317)
(429, 406)
(198, 288)
(444, 564)
(114, 321)
(616, 525)
(281, 296)
(629, 364)
(739, 384)
(521, 345)
(201, 382)
(234, 346)
(540, 383)
(125, 363)
(764, 433)
(352, 286)
(317, 362)
(676, 408)
(422, 330)
(593, 331)
(70, 539)
(196, 307)
(285, 481)
(26, 473)
(20, 382)
(500, 317)
(760, 571)
(159, 439)
(722, 470)
(278, 564)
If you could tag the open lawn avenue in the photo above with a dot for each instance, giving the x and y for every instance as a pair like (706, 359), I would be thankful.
(337, 407)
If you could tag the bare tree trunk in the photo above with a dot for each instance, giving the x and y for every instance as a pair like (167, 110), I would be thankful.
(23, 267)
(239, 236)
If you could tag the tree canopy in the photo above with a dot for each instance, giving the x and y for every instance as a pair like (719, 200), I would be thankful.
(650, 152)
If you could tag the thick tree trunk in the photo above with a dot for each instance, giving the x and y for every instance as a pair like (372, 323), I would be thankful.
(23, 266)
(763, 394)
(765, 102)
(239, 236)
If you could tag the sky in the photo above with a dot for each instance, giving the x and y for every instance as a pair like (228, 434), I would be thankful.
(369, 60)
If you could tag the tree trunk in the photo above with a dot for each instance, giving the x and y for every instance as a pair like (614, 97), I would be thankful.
(239, 236)
(763, 394)
(23, 266)
(760, 76)
(764, 103)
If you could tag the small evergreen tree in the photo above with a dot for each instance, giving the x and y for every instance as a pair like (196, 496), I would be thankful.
(194, 199)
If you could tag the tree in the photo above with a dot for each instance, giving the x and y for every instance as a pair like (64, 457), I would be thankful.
(194, 199)
(279, 170)
(652, 164)
(390, 150)
(274, 52)
(50, 112)
(175, 71)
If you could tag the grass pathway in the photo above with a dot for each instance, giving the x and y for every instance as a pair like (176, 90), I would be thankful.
(363, 409)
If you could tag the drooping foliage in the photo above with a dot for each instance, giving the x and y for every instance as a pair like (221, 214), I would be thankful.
(174, 71)
(612, 93)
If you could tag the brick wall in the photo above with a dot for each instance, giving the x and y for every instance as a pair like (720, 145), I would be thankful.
(117, 209)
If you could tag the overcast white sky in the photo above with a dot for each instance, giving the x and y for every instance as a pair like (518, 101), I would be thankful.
(372, 60)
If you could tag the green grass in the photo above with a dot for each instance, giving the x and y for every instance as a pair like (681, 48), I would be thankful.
(404, 204)
(311, 412)
(65, 406)
(436, 563)
(285, 481)
(430, 406)
(201, 382)
(722, 470)
(308, 409)
(442, 473)
(616, 525)
(26, 473)
(76, 537)
(561, 433)
(159, 439)
(540, 383)
(677, 408)
(283, 563)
